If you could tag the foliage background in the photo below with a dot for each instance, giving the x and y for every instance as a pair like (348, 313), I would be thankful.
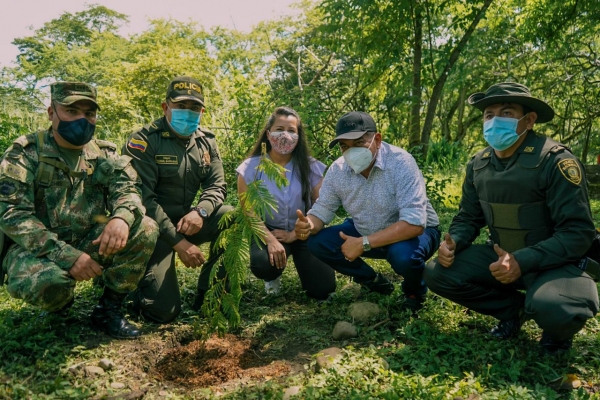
(411, 64)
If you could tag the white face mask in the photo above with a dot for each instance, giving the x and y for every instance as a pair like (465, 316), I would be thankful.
(359, 158)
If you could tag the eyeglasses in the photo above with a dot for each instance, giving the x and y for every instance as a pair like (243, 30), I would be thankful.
(277, 134)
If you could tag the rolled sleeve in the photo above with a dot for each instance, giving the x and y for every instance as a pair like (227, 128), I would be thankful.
(411, 198)
(328, 201)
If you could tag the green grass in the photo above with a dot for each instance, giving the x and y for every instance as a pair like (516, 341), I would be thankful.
(444, 354)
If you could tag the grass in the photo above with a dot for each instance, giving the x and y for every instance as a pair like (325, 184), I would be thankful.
(444, 354)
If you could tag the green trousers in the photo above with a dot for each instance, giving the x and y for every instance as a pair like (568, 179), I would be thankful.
(40, 282)
(559, 300)
(158, 297)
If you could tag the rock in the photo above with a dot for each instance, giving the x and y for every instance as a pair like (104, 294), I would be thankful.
(92, 371)
(344, 330)
(106, 364)
(363, 311)
(327, 358)
(73, 369)
(353, 289)
(117, 385)
(291, 391)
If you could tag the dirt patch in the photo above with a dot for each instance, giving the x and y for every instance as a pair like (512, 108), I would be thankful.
(217, 361)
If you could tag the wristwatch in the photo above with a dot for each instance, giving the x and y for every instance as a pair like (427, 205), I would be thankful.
(201, 211)
(366, 244)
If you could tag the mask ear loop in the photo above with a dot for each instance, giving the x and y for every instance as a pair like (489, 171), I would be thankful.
(522, 133)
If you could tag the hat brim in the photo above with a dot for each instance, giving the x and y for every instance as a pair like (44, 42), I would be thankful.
(183, 98)
(347, 135)
(67, 101)
(544, 112)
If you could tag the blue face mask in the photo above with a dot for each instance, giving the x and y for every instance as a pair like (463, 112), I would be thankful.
(78, 132)
(501, 132)
(184, 122)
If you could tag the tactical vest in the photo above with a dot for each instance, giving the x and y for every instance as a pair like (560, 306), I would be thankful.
(514, 200)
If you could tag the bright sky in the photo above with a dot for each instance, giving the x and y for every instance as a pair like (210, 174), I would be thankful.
(20, 15)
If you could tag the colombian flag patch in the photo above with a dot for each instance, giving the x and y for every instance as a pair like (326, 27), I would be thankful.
(137, 144)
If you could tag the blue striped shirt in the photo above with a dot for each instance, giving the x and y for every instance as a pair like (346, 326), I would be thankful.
(394, 191)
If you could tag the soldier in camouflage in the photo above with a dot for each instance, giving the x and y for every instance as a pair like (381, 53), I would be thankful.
(177, 159)
(72, 206)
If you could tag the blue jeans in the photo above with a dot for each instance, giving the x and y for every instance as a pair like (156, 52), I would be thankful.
(407, 258)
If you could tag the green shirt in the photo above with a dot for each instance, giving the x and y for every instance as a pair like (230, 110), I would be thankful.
(173, 171)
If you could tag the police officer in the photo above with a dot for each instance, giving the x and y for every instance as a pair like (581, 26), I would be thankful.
(530, 191)
(176, 158)
(73, 208)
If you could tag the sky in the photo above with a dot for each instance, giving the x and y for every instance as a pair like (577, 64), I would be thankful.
(22, 15)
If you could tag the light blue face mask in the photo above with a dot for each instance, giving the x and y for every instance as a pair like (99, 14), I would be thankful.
(501, 132)
(184, 122)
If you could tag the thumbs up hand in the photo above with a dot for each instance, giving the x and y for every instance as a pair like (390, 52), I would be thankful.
(352, 247)
(446, 251)
(506, 270)
(303, 226)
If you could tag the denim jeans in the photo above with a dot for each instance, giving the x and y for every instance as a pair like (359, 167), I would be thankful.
(407, 258)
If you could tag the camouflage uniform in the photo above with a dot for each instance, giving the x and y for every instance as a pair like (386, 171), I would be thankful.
(53, 226)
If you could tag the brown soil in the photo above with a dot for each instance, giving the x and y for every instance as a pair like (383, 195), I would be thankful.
(217, 361)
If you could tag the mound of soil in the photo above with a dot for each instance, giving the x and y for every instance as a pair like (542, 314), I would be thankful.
(217, 361)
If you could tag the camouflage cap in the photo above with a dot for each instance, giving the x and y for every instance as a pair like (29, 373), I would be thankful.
(67, 93)
(185, 88)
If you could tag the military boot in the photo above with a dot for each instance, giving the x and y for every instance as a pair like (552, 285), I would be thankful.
(108, 317)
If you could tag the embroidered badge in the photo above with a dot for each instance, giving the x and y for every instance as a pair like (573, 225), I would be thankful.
(570, 170)
(14, 171)
(206, 158)
(529, 149)
(486, 154)
(166, 159)
(7, 188)
(137, 144)
(165, 134)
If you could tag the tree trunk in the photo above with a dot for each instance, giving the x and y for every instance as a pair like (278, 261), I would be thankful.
(415, 114)
(439, 85)
(460, 126)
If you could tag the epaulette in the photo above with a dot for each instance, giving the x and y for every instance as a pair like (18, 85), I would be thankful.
(206, 131)
(21, 143)
(153, 127)
(105, 144)
(25, 140)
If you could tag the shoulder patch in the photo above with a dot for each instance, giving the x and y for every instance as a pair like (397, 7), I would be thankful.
(487, 154)
(12, 171)
(570, 170)
(529, 149)
(137, 144)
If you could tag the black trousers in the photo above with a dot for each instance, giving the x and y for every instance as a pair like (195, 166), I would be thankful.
(559, 300)
(157, 296)
(316, 277)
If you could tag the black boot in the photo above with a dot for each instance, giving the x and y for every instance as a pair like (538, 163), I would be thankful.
(108, 317)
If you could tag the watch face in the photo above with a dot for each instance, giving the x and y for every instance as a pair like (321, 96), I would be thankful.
(203, 213)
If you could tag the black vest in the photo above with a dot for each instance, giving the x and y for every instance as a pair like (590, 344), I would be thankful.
(514, 199)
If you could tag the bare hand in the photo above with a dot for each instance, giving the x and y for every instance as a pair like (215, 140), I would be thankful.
(284, 236)
(84, 268)
(303, 226)
(506, 270)
(190, 224)
(446, 251)
(189, 254)
(277, 256)
(113, 237)
(352, 247)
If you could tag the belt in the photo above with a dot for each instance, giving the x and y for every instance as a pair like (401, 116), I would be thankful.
(591, 267)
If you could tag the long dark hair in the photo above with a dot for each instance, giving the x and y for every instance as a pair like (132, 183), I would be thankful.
(301, 156)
